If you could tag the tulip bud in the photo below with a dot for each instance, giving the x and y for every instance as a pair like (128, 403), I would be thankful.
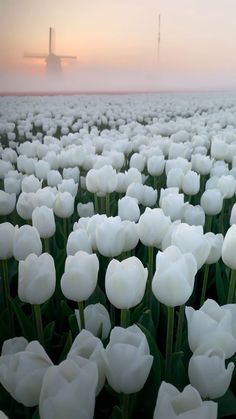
(191, 183)
(54, 177)
(97, 320)
(25, 205)
(80, 277)
(27, 240)
(173, 404)
(228, 248)
(45, 196)
(7, 237)
(64, 205)
(78, 240)
(216, 242)
(43, 219)
(173, 206)
(42, 168)
(7, 203)
(173, 280)
(207, 373)
(85, 210)
(86, 348)
(194, 215)
(22, 373)
(175, 177)
(127, 359)
(30, 184)
(68, 185)
(128, 209)
(212, 326)
(14, 345)
(68, 391)
(125, 282)
(37, 278)
(152, 227)
(110, 237)
(156, 165)
(191, 239)
(131, 235)
(212, 201)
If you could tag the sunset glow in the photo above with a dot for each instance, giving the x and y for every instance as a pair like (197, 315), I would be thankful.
(120, 37)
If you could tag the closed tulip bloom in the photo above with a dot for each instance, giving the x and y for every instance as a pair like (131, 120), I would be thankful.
(43, 219)
(173, 280)
(86, 348)
(25, 205)
(173, 206)
(68, 185)
(149, 197)
(194, 215)
(156, 165)
(201, 164)
(127, 359)
(175, 177)
(211, 326)
(12, 185)
(191, 239)
(137, 161)
(54, 177)
(14, 345)
(191, 183)
(92, 181)
(7, 236)
(131, 235)
(91, 225)
(173, 404)
(71, 173)
(78, 240)
(80, 277)
(42, 168)
(97, 320)
(152, 227)
(135, 190)
(216, 242)
(21, 373)
(7, 203)
(208, 374)
(85, 210)
(64, 205)
(45, 196)
(30, 184)
(212, 201)
(2, 415)
(36, 278)
(110, 237)
(68, 391)
(27, 240)
(227, 185)
(125, 282)
(233, 215)
(229, 247)
(128, 209)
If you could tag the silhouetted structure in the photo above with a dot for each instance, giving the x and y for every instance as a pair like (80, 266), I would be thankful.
(53, 61)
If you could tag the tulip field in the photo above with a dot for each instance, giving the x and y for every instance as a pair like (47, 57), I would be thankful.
(118, 256)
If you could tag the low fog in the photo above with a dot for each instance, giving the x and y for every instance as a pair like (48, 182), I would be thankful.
(103, 80)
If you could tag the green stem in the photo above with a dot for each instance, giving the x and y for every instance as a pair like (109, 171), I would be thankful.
(169, 342)
(125, 406)
(38, 322)
(7, 295)
(96, 204)
(108, 204)
(204, 284)
(124, 317)
(150, 275)
(46, 245)
(232, 284)
(222, 218)
(208, 223)
(81, 315)
(179, 328)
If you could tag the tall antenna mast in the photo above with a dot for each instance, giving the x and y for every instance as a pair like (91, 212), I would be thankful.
(159, 38)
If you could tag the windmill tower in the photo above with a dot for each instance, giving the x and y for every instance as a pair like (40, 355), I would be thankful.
(53, 61)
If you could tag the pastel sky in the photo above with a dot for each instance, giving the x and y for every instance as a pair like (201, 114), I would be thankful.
(115, 42)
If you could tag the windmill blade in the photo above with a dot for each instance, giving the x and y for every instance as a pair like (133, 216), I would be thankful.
(70, 57)
(26, 55)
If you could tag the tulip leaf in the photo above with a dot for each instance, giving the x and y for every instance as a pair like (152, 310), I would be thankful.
(73, 325)
(97, 296)
(36, 414)
(49, 331)
(116, 413)
(146, 399)
(67, 311)
(23, 320)
(227, 405)
(179, 373)
(146, 321)
(220, 286)
(66, 347)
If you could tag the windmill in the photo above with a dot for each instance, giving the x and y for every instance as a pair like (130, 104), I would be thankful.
(53, 61)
